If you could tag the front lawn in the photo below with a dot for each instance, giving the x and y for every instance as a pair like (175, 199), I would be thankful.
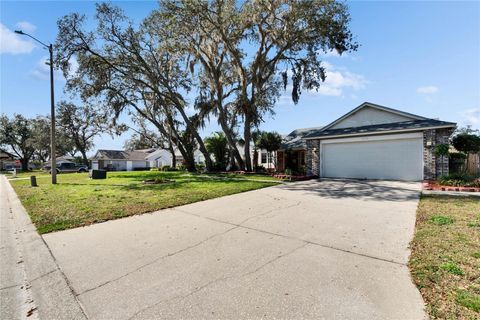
(77, 201)
(445, 260)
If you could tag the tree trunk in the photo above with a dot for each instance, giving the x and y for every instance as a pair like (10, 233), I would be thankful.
(24, 163)
(201, 145)
(230, 140)
(203, 150)
(84, 157)
(255, 158)
(174, 157)
(247, 136)
(190, 162)
(233, 165)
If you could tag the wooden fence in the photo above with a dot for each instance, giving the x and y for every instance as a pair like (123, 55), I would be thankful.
(474, 164)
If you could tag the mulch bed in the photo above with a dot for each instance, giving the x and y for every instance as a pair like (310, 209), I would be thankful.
(435, 186)
(293, 178)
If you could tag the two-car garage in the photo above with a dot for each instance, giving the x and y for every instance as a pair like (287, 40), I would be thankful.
(377, 142)
(394, 156)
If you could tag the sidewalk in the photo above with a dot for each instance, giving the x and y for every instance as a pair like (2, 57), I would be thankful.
(32, 286)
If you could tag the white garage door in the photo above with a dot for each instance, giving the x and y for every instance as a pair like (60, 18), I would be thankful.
(395, 157)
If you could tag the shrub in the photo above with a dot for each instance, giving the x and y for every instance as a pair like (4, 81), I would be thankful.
(200, 167)
(452, 268)
(442, 149)
(459, 180)
(260, 169)
(288, 172)
(441, 220)
(455, 156)
(168, 168)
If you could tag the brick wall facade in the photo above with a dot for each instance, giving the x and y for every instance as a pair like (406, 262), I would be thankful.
(312, 158)
(434, 166)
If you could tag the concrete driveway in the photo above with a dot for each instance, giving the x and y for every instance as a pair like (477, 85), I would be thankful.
(325, 250)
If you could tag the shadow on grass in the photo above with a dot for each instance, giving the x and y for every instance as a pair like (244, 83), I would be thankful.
(179, 183)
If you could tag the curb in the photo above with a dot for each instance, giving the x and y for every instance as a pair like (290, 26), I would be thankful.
(52, 295)
(451, 193)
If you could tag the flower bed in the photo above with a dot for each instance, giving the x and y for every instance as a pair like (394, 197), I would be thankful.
(436, 186)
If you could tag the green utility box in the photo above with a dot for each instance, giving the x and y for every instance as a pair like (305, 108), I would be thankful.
(98, 174)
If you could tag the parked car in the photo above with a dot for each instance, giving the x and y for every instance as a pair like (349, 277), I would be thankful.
(66, 167)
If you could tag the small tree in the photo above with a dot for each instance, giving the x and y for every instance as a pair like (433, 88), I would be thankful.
(17, 134)
(468, 143)
(270, 141)
(42, 140)
(82, 125)
(217, 145)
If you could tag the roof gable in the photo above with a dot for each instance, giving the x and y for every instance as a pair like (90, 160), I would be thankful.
(294, 140)
(368, 114)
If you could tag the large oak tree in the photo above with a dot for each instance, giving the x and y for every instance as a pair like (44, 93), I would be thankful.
(247, 51)
(131, 69)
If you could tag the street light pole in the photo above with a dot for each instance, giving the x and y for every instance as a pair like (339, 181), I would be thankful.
(53, 157)
(53, 153)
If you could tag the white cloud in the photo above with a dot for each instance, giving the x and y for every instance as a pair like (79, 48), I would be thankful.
(338, 80)
(12, 43)
(42, 70)
(427, 90)
(472, 116)
(26, 26)
(331, 53)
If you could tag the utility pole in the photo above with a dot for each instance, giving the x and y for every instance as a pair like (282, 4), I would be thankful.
(53, 156)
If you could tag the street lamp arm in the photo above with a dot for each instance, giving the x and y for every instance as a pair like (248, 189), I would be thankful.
(28, 35)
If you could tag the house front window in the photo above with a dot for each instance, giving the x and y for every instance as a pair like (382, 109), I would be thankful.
(264, 157)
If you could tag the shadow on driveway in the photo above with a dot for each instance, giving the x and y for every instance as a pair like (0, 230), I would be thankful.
(358, 189)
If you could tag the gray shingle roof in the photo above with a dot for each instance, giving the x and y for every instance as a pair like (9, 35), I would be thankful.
(295, 139)
(405, 125)
(103, 154)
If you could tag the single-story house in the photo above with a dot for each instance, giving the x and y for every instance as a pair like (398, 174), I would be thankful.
(372, 142)
(124, 160)
(9, 161)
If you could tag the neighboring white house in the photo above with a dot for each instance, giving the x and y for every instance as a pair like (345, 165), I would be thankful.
(122, 160)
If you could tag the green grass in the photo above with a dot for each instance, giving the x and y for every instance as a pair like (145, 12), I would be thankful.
(78, 201)
(468, 300)
(441, 220)
(445, 261)
(452, 268)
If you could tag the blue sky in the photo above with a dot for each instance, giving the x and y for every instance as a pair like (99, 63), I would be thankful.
(419, 57)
